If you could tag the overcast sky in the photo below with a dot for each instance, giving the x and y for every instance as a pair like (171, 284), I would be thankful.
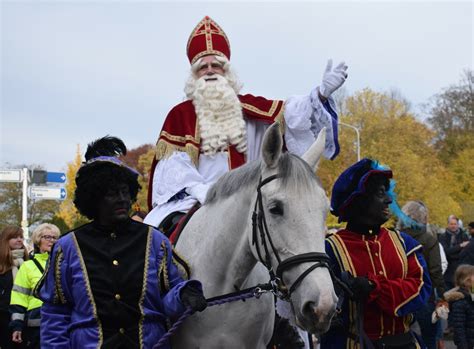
(73, 71)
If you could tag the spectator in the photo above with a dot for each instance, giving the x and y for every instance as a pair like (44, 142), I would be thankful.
(25, 308)
(467, 254)
(414, 222)
(470, 230)
(461, 300)
(453, 241)
(12, 254)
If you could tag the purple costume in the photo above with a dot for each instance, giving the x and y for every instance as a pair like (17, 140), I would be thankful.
(70, 315)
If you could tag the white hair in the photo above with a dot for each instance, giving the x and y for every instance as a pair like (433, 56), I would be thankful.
(453, 217)
(218, 109)
(417, 211)
(229, 74)
(41, 229)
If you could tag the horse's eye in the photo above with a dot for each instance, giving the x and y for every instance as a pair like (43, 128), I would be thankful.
(276, 208)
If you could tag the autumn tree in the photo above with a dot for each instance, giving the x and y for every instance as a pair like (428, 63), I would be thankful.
(452, 117)
(462, 170)
(144, 165)
(67, 210)
(140, 159)
(391, 134)
(452, 111)
(132, 158)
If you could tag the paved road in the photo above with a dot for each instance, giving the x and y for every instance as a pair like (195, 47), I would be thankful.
(449, 345)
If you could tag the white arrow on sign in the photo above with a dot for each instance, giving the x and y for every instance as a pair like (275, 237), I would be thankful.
(10, 175)
(39, 192)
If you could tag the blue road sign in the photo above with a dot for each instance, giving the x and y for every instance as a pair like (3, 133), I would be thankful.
(55, 177)
(44, 192)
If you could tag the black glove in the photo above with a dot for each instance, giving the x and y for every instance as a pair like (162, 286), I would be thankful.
(192, 297)
(360, 287)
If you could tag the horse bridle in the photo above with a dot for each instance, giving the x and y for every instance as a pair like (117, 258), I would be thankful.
(259, 225)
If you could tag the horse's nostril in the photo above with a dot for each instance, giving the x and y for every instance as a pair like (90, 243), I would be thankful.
(308, 309)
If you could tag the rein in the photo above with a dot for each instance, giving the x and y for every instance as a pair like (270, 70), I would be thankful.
(242, 295)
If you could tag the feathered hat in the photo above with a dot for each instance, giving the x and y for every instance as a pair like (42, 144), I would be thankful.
(106, 150)
(353, 182)
(207, 39)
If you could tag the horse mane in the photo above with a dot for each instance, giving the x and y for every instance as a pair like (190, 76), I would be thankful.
(292, 171)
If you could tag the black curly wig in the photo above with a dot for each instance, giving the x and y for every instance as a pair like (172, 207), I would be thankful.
(95, 179)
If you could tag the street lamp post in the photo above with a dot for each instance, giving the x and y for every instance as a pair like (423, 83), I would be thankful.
(24, 205)
(358, 137)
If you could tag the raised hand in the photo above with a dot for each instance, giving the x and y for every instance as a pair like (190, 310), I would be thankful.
(333, 78)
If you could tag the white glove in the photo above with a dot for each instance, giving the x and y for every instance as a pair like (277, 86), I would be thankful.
(333, 79)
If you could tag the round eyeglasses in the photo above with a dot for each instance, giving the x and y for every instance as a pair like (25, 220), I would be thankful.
(49, 237)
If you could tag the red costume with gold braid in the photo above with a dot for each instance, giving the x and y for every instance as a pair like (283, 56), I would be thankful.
(393, 262)
(180, 131)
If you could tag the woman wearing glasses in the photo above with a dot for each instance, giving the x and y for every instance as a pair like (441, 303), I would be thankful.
(12, 254)
(25, 308)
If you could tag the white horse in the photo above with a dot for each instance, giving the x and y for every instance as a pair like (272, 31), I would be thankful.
(218, 245)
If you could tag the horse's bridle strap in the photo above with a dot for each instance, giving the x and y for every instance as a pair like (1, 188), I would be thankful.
(321, 259)
(302, 258)
(266, 180)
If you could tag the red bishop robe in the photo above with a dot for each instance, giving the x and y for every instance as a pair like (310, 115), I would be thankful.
(180, 131)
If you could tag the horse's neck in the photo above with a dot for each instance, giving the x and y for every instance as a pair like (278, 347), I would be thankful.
(217, 246)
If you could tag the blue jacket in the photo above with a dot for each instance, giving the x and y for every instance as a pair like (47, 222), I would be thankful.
(461, 316)
(69, 314)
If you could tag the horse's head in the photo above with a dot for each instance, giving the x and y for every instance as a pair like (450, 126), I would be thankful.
(294, 207)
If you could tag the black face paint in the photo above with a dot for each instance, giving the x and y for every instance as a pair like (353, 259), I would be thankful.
(377, 212)
(114, 207)
(373, 208)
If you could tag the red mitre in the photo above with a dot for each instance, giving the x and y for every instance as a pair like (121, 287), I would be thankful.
(207, 39)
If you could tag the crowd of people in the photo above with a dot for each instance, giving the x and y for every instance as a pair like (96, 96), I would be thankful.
(116, 282)
(21, 269)
(85, 284)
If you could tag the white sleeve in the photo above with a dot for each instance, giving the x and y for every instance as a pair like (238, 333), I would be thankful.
(305, 116)
(174, 174)
(178, 172)
(444, 260)
(158, 213)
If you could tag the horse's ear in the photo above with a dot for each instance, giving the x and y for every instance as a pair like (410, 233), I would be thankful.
(313, 154)
(271, 145)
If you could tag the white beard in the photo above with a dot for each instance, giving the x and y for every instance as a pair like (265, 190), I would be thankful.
(219, 113)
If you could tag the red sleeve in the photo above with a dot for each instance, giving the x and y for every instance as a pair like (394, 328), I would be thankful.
(391, 295)
(260, 108)
(177, 133)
